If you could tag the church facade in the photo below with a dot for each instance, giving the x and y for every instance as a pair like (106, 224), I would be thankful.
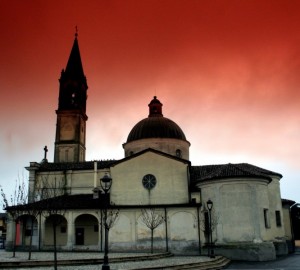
(155, 175)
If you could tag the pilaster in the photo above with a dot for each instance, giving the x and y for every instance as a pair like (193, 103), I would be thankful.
(70, 230)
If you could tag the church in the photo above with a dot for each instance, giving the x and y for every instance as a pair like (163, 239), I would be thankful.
(234, 208)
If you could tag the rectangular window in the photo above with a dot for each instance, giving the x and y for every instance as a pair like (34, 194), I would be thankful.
(278, 218)
(96, 228)
(266, 218)
(63, 229)
(27, 232)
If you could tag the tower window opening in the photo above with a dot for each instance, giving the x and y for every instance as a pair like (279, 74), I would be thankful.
(66, 155)
(278, 218)
(266, 218)
(178, 153)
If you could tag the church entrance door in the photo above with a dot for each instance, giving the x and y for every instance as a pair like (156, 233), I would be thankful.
(79, 236)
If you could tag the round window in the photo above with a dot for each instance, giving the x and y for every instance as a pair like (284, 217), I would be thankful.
(149, 181)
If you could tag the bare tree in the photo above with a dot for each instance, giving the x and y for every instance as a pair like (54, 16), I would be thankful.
(33, 212)
(108, 222)
(112, 217)
(18, 198)
(152, 219)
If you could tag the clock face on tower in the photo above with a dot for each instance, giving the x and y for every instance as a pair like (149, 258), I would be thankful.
(149, 181)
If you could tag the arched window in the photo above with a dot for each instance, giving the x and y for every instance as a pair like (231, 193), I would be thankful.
(178, 153)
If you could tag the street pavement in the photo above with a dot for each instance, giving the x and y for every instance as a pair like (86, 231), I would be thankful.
(289, 262)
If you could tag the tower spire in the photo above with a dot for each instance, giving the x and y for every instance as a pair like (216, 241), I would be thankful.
(74, 67)
(76, 32)
(71, 112)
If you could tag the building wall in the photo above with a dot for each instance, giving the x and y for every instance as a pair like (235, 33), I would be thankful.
(72, 181)
(178, 233)
(171, 176)
(165, 145)
(286, 217)
(275, 230)
(239, 205)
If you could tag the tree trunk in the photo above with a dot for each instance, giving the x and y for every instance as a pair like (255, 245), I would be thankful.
(30, 240)
(15, 239)
(54, 245)
(152, 232)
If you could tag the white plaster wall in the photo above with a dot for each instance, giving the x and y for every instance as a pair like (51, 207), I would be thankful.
(275, 232)
(238, 205)
(143, 232)
(55, 181)
(171, 176)
(124, 228)
(77, 182)
(166, 145)
(82, 182)
(287, 222)
(183, 225)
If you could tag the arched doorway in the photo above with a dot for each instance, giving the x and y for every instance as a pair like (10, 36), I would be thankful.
(28, 227)
(60, 224)
(86, 230)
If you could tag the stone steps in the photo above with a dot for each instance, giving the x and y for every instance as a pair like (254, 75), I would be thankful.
(218, 263)
(41, 263)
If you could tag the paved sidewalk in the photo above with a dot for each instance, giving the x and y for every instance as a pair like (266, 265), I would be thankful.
(138, 264)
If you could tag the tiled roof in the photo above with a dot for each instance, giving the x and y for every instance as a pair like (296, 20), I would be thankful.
(289, 202)
(80, 201)
(3, 215)
(102, 164)
(150, 150)
(87, 165)
(214, 172)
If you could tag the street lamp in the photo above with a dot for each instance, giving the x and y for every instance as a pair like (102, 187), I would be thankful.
(210, 204)
(105, 183)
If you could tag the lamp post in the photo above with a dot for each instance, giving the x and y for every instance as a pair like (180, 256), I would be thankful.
(105, 183)
(210, 204)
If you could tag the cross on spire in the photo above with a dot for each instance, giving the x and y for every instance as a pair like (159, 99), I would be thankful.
(45, 150)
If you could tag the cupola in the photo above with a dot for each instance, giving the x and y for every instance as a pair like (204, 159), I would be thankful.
(157, 132)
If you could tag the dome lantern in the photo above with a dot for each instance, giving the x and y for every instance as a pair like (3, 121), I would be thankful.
(155, 108)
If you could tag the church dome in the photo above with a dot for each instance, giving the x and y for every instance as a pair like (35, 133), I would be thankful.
(155, 125)
(157, 132)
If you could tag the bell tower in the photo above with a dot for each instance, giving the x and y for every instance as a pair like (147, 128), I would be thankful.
(71, 112)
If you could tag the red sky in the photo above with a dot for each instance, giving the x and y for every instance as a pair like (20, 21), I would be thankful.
(227, 72)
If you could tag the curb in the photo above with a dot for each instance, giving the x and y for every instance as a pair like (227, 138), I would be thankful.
(218, 263)
(37, 263)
